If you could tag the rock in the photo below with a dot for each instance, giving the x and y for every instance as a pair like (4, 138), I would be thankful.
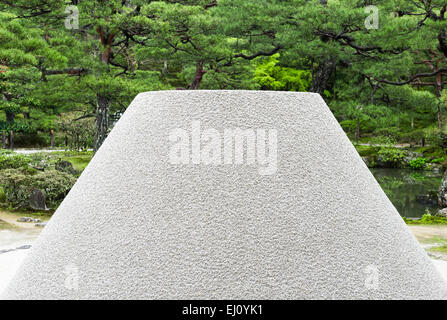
(381, 163)
(65, 166)
(24, 247)
(412, 155)
(41, 225)
(429, 198)
(28, 219)
(394, 158)
(6, 250)
(366, 161)
(442, 192)
(442, 213)
(435, 167)
(37, 200)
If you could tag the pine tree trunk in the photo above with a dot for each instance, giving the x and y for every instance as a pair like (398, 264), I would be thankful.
(412, 117)
(438, 91)
(10, 116)
(357, 131)
(102, 120)
(321, 76)
(4, 139)
(52, 138)
(198, 76)
(11, 140)
(103, 102)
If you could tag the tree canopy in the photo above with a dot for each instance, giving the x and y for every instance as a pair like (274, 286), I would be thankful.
(380, 66)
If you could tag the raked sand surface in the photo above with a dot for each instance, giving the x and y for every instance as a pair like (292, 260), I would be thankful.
(10, 261)
(17, 240)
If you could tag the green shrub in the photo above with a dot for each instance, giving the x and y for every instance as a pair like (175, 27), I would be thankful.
(382, 140)
(55, 184)
(2, 195)
(418, 163)
(427, 219)
(13, 161)
(392, 133)
(79, 162)
(431, 152)
(18, 185)
(414, 136)
(437, 160)
(79, 134)
(30, 140)
(41, 160)
(350, 126)
(438, 139)
(366, 151)
(392, 157)
(6, 151)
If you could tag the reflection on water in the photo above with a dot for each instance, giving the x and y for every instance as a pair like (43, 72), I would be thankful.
(413, 193)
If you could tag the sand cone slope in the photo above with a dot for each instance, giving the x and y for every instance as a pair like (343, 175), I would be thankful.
(168, 209)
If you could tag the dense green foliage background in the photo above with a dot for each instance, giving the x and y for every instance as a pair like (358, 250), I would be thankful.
(68, 69)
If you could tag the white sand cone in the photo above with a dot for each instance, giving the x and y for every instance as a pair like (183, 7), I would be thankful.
(311, 224)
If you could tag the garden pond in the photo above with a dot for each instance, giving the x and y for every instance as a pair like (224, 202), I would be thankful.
(412, 192)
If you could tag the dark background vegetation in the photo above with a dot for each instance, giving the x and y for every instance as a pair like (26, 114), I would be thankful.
(66, 87)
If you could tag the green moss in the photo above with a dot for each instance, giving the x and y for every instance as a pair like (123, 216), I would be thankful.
(79, 159)
(432, 152)
(391, 157)
(72, 153)
(426, 219)
(424, 149)
(367, 151)
(27, 213)
(439, 244)
(442, 249)
(79, 162)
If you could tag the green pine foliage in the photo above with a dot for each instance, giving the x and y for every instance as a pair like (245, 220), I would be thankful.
(272, 76)
(379, 82)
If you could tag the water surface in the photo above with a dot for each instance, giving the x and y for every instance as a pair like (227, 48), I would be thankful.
(408, 190)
